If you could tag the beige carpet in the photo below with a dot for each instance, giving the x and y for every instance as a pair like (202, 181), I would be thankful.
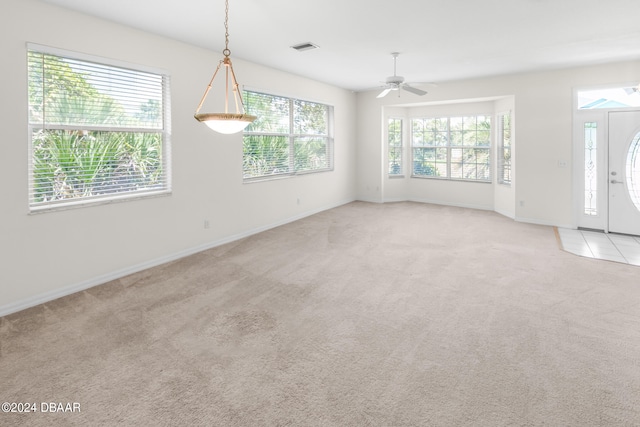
(399, 314)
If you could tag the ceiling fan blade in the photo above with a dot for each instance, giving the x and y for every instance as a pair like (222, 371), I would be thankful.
(414, 90)
(384, 93)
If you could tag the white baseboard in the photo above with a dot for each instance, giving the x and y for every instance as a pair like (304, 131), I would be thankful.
(505, 213)
(481, 207)
(99, 280)
(457, 205)
(542, 222)
(369, 200)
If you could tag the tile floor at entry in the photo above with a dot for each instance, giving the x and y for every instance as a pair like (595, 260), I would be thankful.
(607, 246)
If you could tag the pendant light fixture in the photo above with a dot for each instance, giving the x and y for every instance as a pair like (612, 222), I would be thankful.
(226, 122)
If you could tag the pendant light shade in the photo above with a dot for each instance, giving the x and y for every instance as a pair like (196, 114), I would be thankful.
(226, 122)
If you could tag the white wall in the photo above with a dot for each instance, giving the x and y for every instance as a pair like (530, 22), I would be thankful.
(369, 147)
(50, 254)
(542, 140)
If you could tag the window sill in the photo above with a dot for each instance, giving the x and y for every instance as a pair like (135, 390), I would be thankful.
(435, 178)
(37, 210)
(283, 176)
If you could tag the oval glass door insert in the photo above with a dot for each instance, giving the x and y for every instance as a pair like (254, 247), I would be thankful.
(633, 171)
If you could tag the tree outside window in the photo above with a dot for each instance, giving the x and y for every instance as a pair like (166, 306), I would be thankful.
(289, 137)
(97, 131)
(395, 147)
(452, 147)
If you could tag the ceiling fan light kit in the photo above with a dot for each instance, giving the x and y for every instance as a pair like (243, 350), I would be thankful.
(396, 82)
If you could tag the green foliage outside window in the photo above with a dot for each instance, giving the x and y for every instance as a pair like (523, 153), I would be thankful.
(504, 149)
(395, 146)
(289, 136)
(77, 151)
(452, 147)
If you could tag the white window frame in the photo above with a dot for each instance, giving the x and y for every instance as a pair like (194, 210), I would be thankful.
(165, 131)
(598, 220)
(291, 138)
(501, 148)
(448, 147)
(400, 149)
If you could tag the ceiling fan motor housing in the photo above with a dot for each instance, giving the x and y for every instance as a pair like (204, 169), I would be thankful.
(394, 80)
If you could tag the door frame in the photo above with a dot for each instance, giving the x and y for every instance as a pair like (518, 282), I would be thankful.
(628, 225)
(600, 221)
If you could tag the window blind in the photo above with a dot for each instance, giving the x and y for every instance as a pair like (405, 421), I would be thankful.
(290, 136)
(97, 131)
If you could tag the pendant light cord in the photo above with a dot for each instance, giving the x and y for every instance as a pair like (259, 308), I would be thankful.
(237, 93)
(226, 52)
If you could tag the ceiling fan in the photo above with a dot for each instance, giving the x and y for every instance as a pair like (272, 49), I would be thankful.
(396, 82)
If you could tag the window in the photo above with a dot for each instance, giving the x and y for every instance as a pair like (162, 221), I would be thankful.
(289, 137)
(452, 147)
(611, 98)
(504, 148)
(395, 147)
(633, 171)
(590, 168)
(98, 132)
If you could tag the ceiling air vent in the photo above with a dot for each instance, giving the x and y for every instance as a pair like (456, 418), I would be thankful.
(305, 46)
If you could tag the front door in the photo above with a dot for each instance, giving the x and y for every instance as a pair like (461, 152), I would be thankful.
(624, 172)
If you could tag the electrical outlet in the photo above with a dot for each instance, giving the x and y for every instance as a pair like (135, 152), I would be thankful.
(206, 224)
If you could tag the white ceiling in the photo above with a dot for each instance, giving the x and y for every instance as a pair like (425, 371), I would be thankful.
(439, 40)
